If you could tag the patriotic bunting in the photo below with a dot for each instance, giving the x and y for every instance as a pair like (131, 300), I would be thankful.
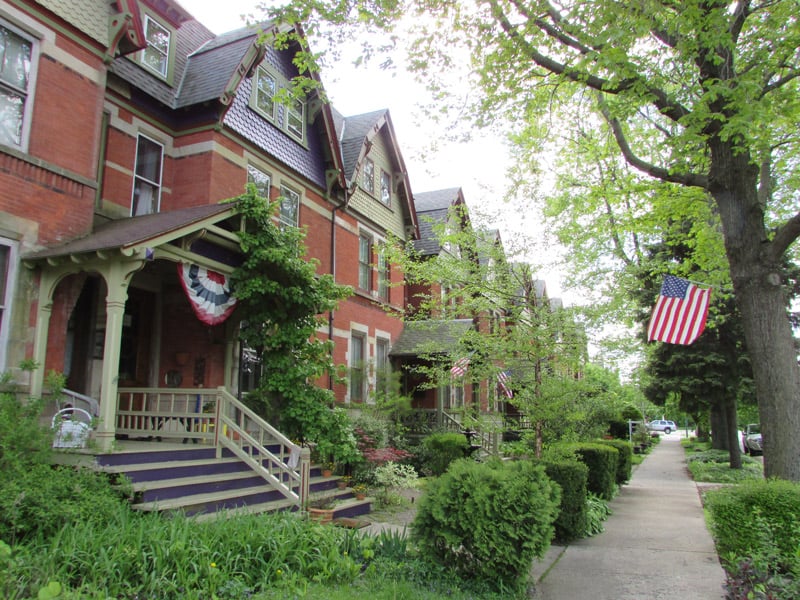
(209, 293)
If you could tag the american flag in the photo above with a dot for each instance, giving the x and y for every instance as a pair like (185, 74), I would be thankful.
(460, 367)
(502, 379)
(679, 316)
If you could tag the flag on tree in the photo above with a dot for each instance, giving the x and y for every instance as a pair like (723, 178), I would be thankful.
(460, 367)
(680, 313)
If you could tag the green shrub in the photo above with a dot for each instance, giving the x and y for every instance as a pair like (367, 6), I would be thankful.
(619, 429)
(597, 512)
(441, 449)
(601, 461)
(741, 513)
(624, 460)
(488, 521)
(571, 476)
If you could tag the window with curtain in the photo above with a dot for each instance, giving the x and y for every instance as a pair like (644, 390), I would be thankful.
(147, 179)
(156, 55)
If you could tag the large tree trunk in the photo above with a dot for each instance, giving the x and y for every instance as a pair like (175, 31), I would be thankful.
(719, 431)
(755, 271)
(732, 433)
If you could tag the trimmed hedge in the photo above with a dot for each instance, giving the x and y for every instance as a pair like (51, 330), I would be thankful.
(624, 460)
(601, 461)
(488, 521)
(742, 515)
(571, 476)
(441, 449)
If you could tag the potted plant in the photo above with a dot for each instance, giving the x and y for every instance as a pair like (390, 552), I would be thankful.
(328, 468)
(343, 482)
(360, 490)
(322, 513)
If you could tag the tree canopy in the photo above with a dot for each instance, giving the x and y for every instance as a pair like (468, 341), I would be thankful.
(702, 94)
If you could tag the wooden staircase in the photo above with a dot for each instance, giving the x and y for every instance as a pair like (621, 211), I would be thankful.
(194, 481)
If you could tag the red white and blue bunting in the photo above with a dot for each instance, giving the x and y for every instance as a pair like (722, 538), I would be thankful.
(209, 293)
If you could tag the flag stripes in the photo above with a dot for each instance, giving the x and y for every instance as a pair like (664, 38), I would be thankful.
(679, 316)
(460, 367)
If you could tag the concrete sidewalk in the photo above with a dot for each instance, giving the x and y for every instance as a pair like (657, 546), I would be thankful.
(655, 543)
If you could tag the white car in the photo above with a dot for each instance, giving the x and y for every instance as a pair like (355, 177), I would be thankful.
(662, 425)
(751, 440)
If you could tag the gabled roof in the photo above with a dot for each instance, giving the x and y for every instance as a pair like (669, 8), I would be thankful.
(433, 209)
(137, 231)
(430, 337)
(356, 136)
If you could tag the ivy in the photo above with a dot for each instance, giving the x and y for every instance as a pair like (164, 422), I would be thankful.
(283, 301)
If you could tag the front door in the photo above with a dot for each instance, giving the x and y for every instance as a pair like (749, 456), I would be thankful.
(137, 336)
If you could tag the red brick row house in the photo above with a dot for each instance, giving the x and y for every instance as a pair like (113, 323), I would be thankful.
(125, 123)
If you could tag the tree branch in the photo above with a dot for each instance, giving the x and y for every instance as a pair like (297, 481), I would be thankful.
(786, 235)
(688, 179)
(660, 99)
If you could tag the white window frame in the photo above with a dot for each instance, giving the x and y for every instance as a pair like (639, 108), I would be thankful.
(365, 262)
(386, 188)
(288, 194)
(148, 20)
(263, 186)
(383, 367)
(6, 298)
(139, 178)
(27, 94)
(268, 93)
(358, 370)
(295, 117)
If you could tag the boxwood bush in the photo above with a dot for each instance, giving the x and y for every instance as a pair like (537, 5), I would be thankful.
(740, 515)
(488, 521)
(571, 476)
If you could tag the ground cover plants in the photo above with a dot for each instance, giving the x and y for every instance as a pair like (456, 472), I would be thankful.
(754, 522)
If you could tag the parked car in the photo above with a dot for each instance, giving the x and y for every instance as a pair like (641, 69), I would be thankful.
(662, 425)
(751, 439)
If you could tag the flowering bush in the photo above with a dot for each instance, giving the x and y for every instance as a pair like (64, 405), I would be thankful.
(392, 476)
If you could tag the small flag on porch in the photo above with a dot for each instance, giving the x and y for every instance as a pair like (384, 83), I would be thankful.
(679, 316)
(502, 380)
(209, 293)
(460, 367)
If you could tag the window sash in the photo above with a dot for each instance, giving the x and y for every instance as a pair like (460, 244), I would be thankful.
(290, 203)
(156, 55)
(260, 179)
(266, 87)
(386, 188)
(146, 198)
(364, 267)
(368, 176)
(357, 366)
(295, 119)
(383, 276)
(15, 73)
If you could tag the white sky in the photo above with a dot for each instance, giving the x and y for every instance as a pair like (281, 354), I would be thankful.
(478, 166)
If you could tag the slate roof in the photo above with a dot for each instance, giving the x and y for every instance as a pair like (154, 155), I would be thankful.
(430, 337)
(432, 210)
(89, 16)
(352, 133)
(122, 233)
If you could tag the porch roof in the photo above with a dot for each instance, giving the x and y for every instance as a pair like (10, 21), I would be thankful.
(152, 229)
(430, 337)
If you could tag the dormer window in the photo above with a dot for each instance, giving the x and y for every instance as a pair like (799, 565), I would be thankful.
(156, 56)
(290, 117)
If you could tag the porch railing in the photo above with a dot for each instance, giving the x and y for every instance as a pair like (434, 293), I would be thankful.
(216, 417)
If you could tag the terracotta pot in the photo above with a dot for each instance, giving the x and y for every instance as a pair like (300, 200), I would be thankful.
(360, 496)
(327, 472)
(321, 515)
(341, 484)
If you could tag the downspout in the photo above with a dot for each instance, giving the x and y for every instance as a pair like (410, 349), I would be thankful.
(333, 274)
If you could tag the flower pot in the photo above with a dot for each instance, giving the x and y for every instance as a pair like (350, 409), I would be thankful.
(327, 472)
(360, 495)
(341, 484)
(321, 515)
